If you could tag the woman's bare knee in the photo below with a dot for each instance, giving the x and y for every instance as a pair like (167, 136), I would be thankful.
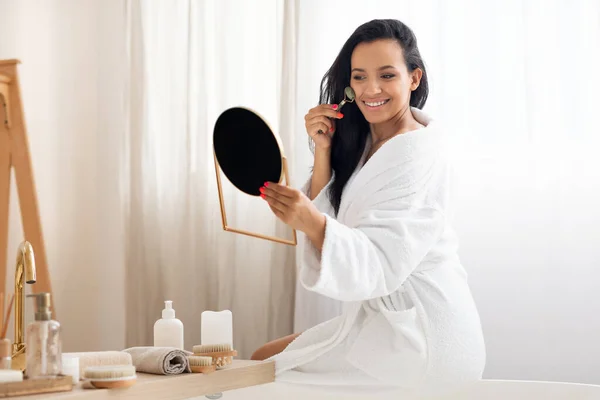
(266, 351)
(259, 355)
(272, 348)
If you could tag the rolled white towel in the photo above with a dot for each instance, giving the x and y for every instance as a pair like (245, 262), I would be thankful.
(159, 360)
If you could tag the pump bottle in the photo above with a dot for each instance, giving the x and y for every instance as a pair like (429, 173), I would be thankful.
(43, 338)
(168, 331)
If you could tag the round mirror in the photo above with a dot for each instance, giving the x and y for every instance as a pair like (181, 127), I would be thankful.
(247, 150)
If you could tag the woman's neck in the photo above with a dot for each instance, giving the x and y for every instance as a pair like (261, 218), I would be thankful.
(400, 123)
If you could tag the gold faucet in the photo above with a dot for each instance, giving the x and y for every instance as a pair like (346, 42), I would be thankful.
(24, 273)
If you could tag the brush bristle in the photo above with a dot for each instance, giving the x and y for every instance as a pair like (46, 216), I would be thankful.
(200, 361)
(109, 372)
(211, 348)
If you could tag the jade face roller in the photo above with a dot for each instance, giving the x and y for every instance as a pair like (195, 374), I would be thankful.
(349, 97)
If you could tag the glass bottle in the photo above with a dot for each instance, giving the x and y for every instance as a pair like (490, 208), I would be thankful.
(43, 342)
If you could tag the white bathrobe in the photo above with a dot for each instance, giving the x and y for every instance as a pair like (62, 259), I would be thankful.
(390, 255)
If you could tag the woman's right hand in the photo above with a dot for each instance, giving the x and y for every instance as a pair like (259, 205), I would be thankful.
(322, 118)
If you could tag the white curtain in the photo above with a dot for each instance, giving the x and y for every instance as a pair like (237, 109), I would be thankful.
(516, 83)
(189, 62)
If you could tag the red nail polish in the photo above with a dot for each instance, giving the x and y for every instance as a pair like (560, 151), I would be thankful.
(330, 129)
(263, 196)
(266, 184)
(340, 115)
(335, 106)
(262, 189)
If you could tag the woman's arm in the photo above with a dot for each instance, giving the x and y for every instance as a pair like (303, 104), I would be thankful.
(321, 171)
(373, 258)
(388, 237)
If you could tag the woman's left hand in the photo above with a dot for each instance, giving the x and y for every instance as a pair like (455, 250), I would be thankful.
(294, 208)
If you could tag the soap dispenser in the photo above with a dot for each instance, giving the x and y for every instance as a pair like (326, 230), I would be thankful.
(43, 338)
(168, 331)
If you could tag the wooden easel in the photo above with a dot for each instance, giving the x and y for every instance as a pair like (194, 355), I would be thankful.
(14, 152)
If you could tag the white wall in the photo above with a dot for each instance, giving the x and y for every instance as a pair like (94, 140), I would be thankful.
(527, 195)
(71, 60)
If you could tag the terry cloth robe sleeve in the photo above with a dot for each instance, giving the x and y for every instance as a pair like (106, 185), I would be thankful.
(373, 258)
(323, 204)
(321, 201)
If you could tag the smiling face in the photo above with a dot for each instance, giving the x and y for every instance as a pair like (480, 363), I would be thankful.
(381, 80)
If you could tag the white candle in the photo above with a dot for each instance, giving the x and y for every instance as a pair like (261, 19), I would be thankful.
(216, 327)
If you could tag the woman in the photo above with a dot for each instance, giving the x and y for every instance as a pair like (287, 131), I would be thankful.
(375, 219)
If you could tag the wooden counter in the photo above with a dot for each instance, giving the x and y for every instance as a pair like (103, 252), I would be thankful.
(239, 374)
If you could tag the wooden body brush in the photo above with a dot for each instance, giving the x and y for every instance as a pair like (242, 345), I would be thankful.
(202, 364)
(110, 376)
(221, 354)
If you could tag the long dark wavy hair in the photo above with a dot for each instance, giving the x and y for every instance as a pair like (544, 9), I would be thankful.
(351, 132)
